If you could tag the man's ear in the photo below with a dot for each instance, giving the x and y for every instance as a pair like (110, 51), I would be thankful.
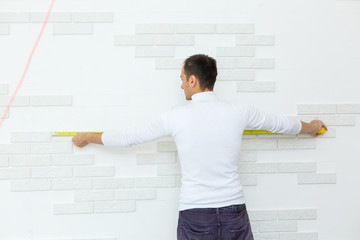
(193, 80)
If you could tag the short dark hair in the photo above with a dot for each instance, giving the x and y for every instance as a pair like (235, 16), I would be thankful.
(204, 68)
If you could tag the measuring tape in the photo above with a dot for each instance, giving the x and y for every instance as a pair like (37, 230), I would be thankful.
(246, 132)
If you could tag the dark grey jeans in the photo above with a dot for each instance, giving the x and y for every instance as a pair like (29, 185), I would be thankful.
(225, 223)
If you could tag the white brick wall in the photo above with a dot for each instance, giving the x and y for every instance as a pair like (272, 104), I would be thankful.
(71, 184)
(29, 161)
(55, 17)
(95, 17)
(74, 208)
(278, 226)
(14, 17)
(19, 101)
(59, 147)
(154, 52)
(156, 158)
(50, 100)
(24, 137)
(317, 178)
(4, 30)
(114, 207)
(4, 88)
(248, 39)
(246, 86)
(4, 161)
(72, 28)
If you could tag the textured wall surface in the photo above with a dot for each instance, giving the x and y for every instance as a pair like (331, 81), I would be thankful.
(104, 65)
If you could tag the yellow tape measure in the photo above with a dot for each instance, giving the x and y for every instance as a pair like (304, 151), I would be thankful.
(66, 134)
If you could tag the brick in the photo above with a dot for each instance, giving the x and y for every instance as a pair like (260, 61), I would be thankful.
(276, 136)
(300, 167)
(96, 17)
(14, 173)
(263, 215)
(50, 101)
(153, 182)
(243, 63)
(135, 194)
(7, 149)
(4, 88)
(296, 143)
(73, 208)
(58, 147)
(60, 172)
(298, 214)
(29, 161)
(316, 109)
(266, 236)
(174, 40)
(247, 156)
(19, 101)
(246, 86)
(257, 167)
(299, 236)
(113, 183)
(71, 184)
(154, 52)
(72, 160)
(307, 118)
(235, 75)
(62, 138)
(13, 17)
(2, 111)
(156, 158)
(278, 226)
(259, 144)
(248, 180)
(154, 28)
(348, 108)
(72, 28)
(255, 40)
(234, 28)
(4, 161)
(102, 195)
(338, 120)
(168, 169)
(24, 137)
(30, 185)
(195, 28)
(134, 40)
(317, 178)
(94, 171)
(158, 40)
(330, 133)
(169, 63)
(235, 51)
(166, 146)
(55, 17)
(4, 30)
(115, 207)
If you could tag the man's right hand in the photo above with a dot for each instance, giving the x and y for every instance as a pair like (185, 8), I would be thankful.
(313, 127)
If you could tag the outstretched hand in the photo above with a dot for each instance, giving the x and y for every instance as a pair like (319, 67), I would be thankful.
(316, 125)
(80, 139)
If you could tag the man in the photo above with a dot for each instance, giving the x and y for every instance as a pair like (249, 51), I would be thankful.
(207, 133)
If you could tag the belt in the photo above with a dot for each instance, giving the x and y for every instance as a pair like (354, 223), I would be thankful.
(240, 207)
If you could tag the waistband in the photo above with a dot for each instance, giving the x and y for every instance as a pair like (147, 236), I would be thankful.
(232, 208)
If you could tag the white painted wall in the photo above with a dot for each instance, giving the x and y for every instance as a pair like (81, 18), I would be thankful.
(96, 83)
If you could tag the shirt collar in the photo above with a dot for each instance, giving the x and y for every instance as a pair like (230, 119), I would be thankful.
(203, 96)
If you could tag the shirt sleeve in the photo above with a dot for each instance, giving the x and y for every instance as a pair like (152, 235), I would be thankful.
(258, 120)
(154, 129)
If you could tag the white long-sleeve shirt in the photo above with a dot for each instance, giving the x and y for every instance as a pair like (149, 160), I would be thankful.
(207, 133)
